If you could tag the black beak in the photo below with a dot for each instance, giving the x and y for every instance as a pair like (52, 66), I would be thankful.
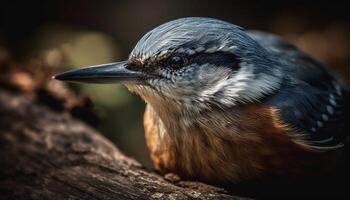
(106, 73)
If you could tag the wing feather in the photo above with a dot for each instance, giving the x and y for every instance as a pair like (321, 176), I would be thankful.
(311, 98)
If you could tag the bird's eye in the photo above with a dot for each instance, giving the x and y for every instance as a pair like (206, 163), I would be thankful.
(177, 61)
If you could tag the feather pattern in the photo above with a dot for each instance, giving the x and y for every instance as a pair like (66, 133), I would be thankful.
(310, 98)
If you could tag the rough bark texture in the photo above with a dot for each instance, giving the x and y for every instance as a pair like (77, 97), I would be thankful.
(47, 154)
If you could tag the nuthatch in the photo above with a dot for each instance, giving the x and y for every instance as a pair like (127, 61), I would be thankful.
(226, 105)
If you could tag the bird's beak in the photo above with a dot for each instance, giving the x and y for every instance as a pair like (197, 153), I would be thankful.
(106, 73)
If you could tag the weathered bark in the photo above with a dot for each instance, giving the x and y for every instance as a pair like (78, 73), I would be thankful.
(47, 154)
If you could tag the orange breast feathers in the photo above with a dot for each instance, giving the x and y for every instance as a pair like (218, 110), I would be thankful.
(247, 144)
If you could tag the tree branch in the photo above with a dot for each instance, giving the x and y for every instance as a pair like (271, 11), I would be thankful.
(47, 154)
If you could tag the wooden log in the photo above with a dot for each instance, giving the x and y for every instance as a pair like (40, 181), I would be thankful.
(47, 154)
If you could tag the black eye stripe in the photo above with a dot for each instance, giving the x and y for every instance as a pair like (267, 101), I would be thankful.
(217, 58)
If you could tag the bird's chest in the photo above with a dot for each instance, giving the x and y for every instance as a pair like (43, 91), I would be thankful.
(224, 150)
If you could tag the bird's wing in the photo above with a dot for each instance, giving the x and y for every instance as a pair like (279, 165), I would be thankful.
(311, 99)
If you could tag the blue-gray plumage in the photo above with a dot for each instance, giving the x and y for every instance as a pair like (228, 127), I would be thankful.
(311, 100)
(227, 105)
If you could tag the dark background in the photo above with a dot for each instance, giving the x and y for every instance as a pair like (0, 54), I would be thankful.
(67, 34)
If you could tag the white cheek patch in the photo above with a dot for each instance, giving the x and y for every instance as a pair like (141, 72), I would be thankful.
(229, 90)
(242, 87)
(229, 84)
(235, 85)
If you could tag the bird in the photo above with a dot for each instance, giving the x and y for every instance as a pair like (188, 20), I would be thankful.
(229, 105)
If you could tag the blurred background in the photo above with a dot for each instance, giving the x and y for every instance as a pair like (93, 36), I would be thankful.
(57, 35)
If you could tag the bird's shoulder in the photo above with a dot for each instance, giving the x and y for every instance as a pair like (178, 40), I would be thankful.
(311, 99)
(317, 115)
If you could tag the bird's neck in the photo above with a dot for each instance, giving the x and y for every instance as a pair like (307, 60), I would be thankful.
(177, 119)
(174, 115)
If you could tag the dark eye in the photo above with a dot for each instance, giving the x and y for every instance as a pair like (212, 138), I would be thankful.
(177, 61)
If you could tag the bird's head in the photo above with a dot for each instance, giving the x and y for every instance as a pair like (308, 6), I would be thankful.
(192, 62)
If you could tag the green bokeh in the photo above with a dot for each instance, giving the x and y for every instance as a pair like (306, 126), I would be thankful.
(121, 113)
